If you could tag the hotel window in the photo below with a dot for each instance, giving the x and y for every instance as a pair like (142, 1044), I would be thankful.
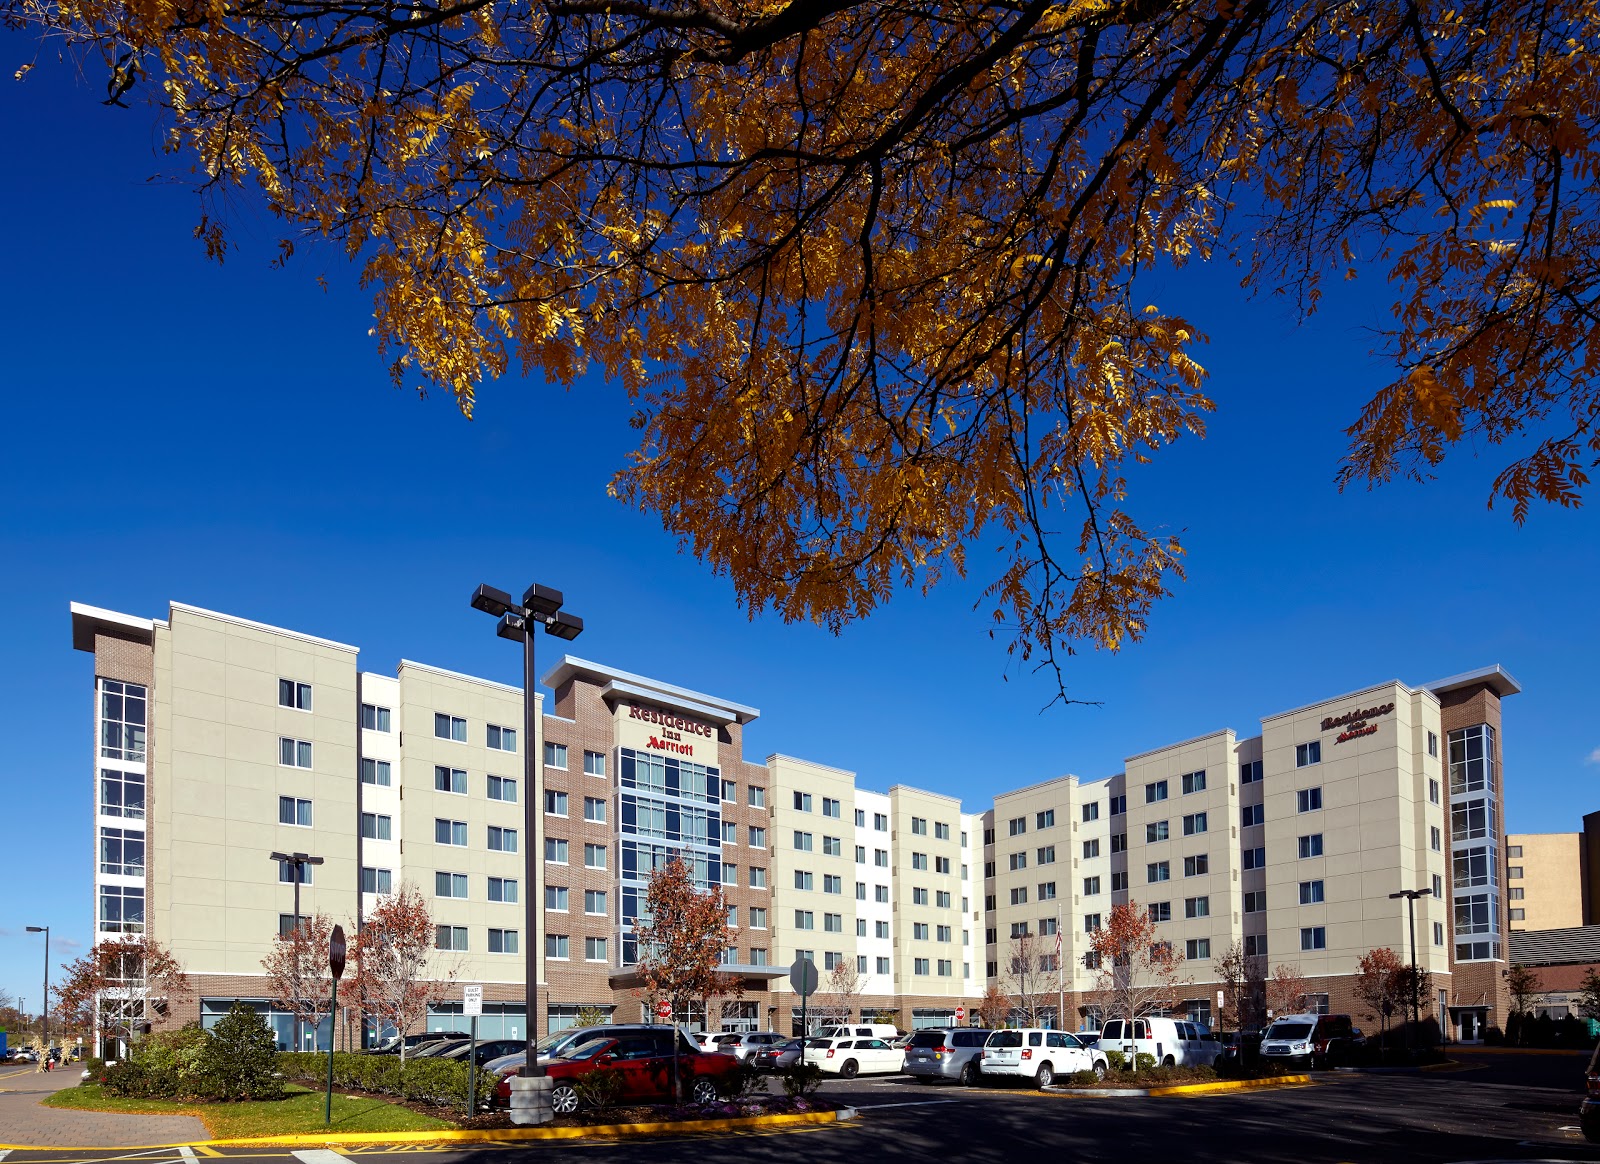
(452, 780)
(1311, 846)
(1119, 805)
(1091, 923)
(1310, 892)
(555, 803)
(1517, 914)
(1156, 830)
(1472, 819)
(294, 753)
(1194, 782)
(374, 718)
(883, 965)
(730, 795)
(1047, 927)
(919, 931)
(802, 841)
(450, 885)
(122, 713)
(556, 898)
(880, 858)
(1119, 880)
(1194, 823)
(758, 877)
(594, 810)
(880, 822)
(988, 869)
(1438, 933)
(802, 802)
(1156, 791)
(861, 963)
(1091, 886)
(1019, 929)
(555, 756)
(292, 811)
(945, 968)
(594, 949)
(919, 896)
(1309, 799)
(1158, 871)
(122, 852)
(758, 837)
(1314, 938)
(1515, 893)
(880, 894)
(1472, 759)
(1017, 825)
(1255, 945)
(502, 840)
(861, 854)
(1091, 848)
(1250, 772)
(594, 856)
(376, 772)
(1251, 814)
(1019, 895)
(1197, 948)
(501, 739)
(758, 917)
(1255, 858)
(1513, 850)
(1160, 911)
(1119, 842)
(861, 927)
(861, 890)
(1474, 866)
(1433, 744)
(941, 865)
(376, 880)
(1433, 792)
(1514, 872)
(594, 764)
(122, 794)
(556, 946)
(1016, 860)
(1256, 902)
(594, 902)
(941, 831)
(941, 898)
(880, 929)
(1045, 819)
(1047, 891)
(295, 695)
(730, 829)
(1197, 865)
(1091, 811)
(861, 818)
(830, 807)
(376, 827)
(450, 937)
(1306, 755)
(1435, 839)
(1047, 855)
(832, 884)
(449, 727)
(503, 889)
(555, 850)
(1438, 887)
(919, 966)
(755, 796)
(832, 847)
(804, 919)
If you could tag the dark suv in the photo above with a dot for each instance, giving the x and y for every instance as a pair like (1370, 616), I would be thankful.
(946, 1053)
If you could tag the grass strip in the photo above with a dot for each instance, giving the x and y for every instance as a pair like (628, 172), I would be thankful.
(299, 1112)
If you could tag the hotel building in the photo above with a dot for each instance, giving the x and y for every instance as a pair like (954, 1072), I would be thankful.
(219, 741)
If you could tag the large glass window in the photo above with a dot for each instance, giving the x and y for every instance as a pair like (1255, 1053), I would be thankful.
(121, 909)
(1472, 819)
(1472, 759)
(1475, 913)
(122, 720)
(1475, 866)
(122, 794)
(122, 852)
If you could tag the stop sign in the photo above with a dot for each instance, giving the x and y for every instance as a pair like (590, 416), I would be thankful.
(961, 1014)
(663, 1009)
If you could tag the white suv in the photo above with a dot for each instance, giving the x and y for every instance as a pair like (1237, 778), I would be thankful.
(1032, 1052)
(851, 1057)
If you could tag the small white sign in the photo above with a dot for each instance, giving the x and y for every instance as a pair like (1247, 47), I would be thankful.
(472, 1001)
(1221, 1000)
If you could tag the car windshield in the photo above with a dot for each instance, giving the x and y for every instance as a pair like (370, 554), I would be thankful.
(1290, 1032)
(586, 1050)
(927, 1039)
(1006, 1039)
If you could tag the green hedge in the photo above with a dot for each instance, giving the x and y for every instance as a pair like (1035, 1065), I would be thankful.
(440, 1081)
(233, 1061)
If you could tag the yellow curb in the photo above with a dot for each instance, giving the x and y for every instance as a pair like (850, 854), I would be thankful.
(1231, 1085)
(495, 1135)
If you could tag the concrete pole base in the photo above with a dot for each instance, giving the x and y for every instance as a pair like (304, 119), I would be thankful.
(530, 1100)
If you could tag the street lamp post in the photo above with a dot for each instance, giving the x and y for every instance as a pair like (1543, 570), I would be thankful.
(1411, 896)
(540, 606)
(299, 861)
(45, 930)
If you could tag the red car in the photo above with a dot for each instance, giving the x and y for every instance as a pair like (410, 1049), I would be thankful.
(643, 1060)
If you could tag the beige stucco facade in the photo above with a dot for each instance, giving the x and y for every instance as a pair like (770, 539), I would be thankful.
(1544, 880)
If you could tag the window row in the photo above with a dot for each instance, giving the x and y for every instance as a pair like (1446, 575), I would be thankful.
(557, 850)
(454, 728)
(454, 833)
(454, 885)
(559, 948)
(454, 938)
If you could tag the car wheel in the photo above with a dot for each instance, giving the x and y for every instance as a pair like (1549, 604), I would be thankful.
(703, 1091)
(563, 1099)
(848, 1069)
(1099, 1070)
(1169, 1061)
(969, 1074)
(1046, 1075)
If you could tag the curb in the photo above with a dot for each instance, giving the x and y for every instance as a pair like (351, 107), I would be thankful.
(1225, 1085)
(494, 1135)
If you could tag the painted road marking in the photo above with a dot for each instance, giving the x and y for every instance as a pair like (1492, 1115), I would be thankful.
(909, 1103)
(318, 1156)
(185, 1151)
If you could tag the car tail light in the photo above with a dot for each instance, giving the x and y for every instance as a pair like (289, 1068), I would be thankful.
(1592, 1083)
(830, 1052)
(1027, 1053)
(945, 1050)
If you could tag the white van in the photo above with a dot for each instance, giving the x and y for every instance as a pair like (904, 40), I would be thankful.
(883, 1031)
(1170, 1042)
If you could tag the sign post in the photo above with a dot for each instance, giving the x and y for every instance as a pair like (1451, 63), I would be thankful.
(803, 977)
(472, 1007)
(336, 953)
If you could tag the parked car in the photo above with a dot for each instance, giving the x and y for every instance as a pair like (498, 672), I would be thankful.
(1236, 1049)
(1589, 1110)
(882, 1031)
(743, 1045)
(26, 1056)
(850, 1057)
(412, 1042)
(556, 1042)
(486, 1052)
(643, 1060)
(439, 1047)
(953, 1053)
(777, 1056)
(1311, 1040)
(1170, 1042)
(1032, 1052)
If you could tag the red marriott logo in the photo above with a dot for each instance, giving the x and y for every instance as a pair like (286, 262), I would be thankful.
(673, 729)
(1357, 721)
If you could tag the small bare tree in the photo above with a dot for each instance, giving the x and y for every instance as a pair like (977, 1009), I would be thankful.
(840, 997)
(393, 953)
(1287, 989)
(994, 1008)
(297, 972)
(1031, 984)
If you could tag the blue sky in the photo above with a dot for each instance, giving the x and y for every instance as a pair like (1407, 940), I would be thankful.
(226, 435)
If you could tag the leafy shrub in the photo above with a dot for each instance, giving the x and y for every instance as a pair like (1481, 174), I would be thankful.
(1118, 1060)
(239, 1059)
(1084, 1079)
(1144, 1061)
(801, 1079)
(598, 1091)
(745, 1083)
(161, 1066)
(440, 1081)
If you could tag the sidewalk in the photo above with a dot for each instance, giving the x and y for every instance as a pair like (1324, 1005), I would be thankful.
(24, 1122)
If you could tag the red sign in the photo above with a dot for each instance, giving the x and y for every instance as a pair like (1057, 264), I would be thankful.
(663, 1010)
(1356, 721)
(961, 1014)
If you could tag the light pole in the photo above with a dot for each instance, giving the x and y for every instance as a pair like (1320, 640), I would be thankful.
(299, 861)
(45, 930)
(540, 606)
(1411, 896)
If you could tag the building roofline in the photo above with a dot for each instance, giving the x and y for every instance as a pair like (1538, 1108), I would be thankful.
(1407, 688)
(811, 763)
(1228, 732)
(1494, 676)
(570, 666)
(893, 788)
(221, 616)
(478, 679)
(88, 621)
(1036, 785)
